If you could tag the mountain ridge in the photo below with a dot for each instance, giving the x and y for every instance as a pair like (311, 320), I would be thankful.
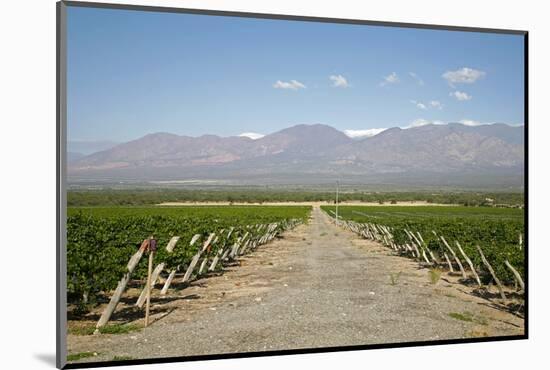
(317, 150)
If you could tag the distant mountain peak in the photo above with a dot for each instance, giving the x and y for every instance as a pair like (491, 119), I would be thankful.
(315, 127)
(159, 135)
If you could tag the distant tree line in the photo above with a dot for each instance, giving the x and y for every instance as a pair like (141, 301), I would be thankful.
(114, 197)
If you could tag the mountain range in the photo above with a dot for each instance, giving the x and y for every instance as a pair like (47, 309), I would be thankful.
(317, 153)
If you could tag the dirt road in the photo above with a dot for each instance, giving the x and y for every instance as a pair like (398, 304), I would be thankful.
(318, 286)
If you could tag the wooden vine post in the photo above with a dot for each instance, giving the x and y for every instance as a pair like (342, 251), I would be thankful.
(448, 262)
(421, 248)
(196, 258)
(152, 249)
(173, 272)
(455, 257)
(156, 272)
(382, 234)
(434, 260)
(516, 274)
(490, 268)
(132, 263)
(469, 263)
(150, 245)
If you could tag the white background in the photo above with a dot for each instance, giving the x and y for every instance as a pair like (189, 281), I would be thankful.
(27, 208)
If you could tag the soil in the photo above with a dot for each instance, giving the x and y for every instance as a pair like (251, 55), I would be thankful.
(316, 286)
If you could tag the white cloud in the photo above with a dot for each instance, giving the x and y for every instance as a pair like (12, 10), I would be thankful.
(436, 104)
(416, 78)
(292, 85)
(469, 122)
(431, 104)
(419, 122)
(463, 76)
(419, 104)
(423, 122)
(460, 96)
(252, 135)
(392, 78)
(339, 81)
(354, 134)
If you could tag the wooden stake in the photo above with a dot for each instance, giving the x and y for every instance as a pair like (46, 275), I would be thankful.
(469, 263)
(425, 257)
(157, 271)
(416, 242)
(225, 254)
(207, 243)
(149, 271)
(168, 282)
(420, 236)
(191, 267)
(216, 259)
(434, 260)
(416, 249)
(230, 232)
(203, 265)
(169, 248)
(241, 249)
(154, 278)
(448, 262)
(194, 239)
(455, 257)
(490, 268)
(234, 248)
(516, 274)
(196, 258)
(172, 244)
(132, 263)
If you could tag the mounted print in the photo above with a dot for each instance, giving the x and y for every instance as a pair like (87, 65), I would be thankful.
(235, 184)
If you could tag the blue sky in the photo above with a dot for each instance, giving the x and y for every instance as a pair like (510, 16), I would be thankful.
(131, 73)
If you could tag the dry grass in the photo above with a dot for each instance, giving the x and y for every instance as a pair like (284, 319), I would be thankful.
(394, 278)
(469, 317)
(434, 274)
(80, 355)
(108, 329)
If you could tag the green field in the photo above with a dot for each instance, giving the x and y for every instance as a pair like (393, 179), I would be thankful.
(136, 197)
(100, 240)
(248, 213)
(360, 213)
(495, 230)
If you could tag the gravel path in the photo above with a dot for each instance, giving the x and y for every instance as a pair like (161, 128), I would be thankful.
(318, 286)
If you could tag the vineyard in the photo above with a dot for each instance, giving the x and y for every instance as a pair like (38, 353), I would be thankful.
(102, 241)
(486, 241)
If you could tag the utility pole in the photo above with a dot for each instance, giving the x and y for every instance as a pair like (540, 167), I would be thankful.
(337, 186)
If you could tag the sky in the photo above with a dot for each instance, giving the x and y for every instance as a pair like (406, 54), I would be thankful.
(131, 73)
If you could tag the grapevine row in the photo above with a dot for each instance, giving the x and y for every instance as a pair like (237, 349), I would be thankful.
(214, 252)
(100, 241)
(484, 265)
